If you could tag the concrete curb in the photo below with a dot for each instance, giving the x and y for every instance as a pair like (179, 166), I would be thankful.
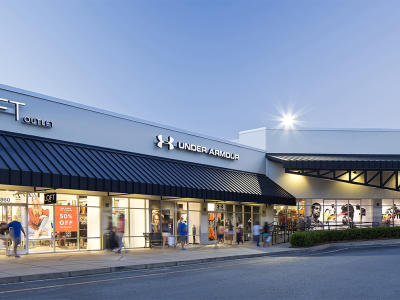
(98, 271)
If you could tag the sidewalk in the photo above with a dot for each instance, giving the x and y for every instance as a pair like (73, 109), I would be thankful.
(60, 265)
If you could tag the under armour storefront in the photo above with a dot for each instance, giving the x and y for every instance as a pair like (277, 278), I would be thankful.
(68, 173)
(341, 178)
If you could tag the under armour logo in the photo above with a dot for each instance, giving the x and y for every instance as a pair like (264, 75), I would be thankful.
(161, 142)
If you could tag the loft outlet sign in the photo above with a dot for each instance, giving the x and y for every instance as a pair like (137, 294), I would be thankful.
(171, 144)
(14, 107)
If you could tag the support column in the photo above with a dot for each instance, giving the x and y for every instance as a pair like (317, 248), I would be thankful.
(376, 212)
(105, 213)
(204, 225)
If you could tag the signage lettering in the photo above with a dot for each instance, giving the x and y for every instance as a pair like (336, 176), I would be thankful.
(26, 120)
(194, 148)
(37, 122)
(5, 199)
(50, 198)
(66, 218)
(16, 105)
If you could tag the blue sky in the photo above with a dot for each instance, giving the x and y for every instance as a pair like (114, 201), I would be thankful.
(213, 67)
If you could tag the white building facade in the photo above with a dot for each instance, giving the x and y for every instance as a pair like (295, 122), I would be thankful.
(71, 174)
(340, 177)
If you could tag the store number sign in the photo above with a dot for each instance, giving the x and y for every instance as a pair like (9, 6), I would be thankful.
(220, 207)
(66, 218)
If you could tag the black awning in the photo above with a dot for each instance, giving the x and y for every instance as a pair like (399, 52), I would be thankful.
(38, 162)
(379, 171)
(337, 161)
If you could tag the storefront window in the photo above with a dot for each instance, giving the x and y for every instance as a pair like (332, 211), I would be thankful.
(280, 216)
(300, 208)
(340, 214)
(390, 212)
(73, 223)
(238, 215)
(138, 222)
(135, 213)
(211, 226)
(256, 215)
(40, 224)
(247, 224)
(230, 221)
(365, 212)
(194, 222)
(13, 207)
(89, 223)
(169, 225)
(182, 212)
(396, 212)
(155, 216)
(120, 217)
(216, 220)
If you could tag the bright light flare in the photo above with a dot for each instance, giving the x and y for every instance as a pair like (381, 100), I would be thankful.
(288, 118)
(288, 121)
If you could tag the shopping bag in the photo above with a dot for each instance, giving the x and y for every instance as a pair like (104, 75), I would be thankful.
(268, 239)
(171, 241)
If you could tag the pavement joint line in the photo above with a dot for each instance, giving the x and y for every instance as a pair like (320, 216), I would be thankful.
(123, 271)
(113, 279)
(253, 261)
(157, 265)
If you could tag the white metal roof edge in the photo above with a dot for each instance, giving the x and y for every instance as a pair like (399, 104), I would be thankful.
(337, 129)
(253, 130)
(120, 116)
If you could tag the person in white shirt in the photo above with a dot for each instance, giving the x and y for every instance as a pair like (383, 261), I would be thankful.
(256, 233)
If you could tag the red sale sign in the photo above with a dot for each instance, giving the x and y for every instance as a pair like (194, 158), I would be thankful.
(66, 218)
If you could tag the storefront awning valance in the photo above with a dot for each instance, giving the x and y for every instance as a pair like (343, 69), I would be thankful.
(38, 162)
(337, 161)
(375, 170)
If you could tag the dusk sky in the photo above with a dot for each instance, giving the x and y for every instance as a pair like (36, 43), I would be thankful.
(213, 67)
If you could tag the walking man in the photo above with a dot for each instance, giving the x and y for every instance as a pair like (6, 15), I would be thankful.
(120, 231)
(194, 233)
(256, 233)
(239, 233)
(15, 229)
(182, 231)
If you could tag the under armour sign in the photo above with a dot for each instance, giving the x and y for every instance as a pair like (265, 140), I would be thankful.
(169, 142)
(161, 142)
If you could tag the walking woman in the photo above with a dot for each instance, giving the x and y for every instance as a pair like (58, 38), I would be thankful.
(239, 233)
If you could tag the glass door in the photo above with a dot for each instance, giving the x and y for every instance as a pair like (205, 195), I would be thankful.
(3, 213)
(220, 226)
(3, 219)
(17, 213)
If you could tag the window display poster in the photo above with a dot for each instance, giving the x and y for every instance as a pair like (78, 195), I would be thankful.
(66, 218)
(341, 213)
(316, 212)
(390, 211)
(40, 218)
(330, 212)
(155, 220)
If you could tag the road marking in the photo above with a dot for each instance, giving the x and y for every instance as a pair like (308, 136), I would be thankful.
(126, 277)
(254, 261)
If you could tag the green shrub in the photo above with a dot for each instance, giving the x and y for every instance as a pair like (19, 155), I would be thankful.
(315, 237)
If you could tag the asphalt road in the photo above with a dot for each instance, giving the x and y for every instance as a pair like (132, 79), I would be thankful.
(327, 274)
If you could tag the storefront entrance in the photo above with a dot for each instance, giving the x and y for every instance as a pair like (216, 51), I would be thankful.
(9, 213)
(216, 221)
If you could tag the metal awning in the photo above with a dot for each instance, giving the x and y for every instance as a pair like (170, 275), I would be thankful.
(38, 162)
(381, 171)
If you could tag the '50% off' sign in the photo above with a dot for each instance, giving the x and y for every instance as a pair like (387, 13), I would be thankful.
(66, 218)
